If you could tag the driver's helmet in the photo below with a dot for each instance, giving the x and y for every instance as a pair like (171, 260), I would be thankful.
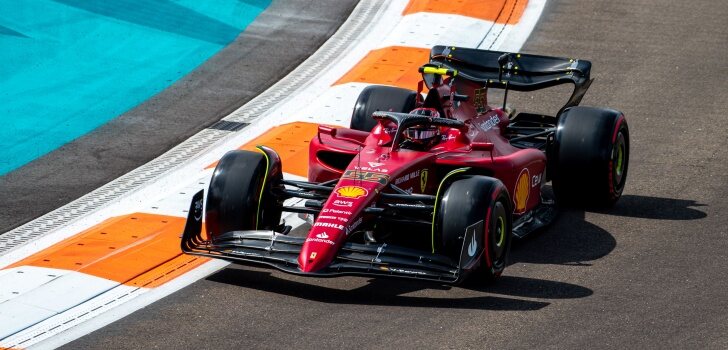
(423, 135)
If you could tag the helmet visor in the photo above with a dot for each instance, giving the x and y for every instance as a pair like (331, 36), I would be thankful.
(421, 133)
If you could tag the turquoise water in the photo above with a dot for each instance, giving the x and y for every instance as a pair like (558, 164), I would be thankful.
(69, 66)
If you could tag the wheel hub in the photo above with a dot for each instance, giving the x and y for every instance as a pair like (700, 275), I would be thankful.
(618, 159)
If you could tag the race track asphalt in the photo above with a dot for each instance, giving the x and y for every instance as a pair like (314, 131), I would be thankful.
(649, 273)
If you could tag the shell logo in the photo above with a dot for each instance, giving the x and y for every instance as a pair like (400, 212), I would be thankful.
(351, 192)
(523, 189)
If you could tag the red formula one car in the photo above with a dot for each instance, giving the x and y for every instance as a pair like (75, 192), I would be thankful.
(430, 187)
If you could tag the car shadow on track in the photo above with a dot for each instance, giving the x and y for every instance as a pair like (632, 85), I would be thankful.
(572, 240)
(657, 208)
(392, 292)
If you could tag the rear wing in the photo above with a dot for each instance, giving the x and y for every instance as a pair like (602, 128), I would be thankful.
(514, 71)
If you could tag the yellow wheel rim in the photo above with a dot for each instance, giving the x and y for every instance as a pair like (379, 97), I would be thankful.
(500, 227)
(620, 158)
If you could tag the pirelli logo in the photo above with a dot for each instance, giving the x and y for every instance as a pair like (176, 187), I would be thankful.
(366, 176)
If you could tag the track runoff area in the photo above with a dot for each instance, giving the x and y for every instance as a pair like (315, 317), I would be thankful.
(110, 262)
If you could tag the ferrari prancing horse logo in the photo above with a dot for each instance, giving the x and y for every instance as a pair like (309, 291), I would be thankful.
(480, 101)
(423, 180)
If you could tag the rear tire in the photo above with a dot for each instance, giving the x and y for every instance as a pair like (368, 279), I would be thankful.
(589, 159)
(467, 201)
(380, 98)
(239, 196)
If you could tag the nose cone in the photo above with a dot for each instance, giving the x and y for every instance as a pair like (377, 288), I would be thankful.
(319, 250)
(310, 260)
(338, 216)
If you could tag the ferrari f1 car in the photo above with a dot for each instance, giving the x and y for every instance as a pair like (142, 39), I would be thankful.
(428, 186)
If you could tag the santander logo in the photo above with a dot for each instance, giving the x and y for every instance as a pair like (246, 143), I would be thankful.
(321, 238)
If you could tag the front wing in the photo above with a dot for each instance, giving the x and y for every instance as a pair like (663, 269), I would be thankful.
(281, 252)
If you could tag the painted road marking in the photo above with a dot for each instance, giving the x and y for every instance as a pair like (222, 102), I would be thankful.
(501, 11)
(123, 249)
(396, 66)
(290, 141)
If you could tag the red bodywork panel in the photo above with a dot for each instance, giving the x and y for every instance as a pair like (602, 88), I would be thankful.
(365, 164)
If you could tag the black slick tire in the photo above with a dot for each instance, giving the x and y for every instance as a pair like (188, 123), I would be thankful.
(239, 196)
(380, 98)
(467, 201)
(589, 158)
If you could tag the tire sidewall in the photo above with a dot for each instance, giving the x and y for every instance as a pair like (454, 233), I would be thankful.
(239, 196)
(492, 269)
(380, 98)
(466, 201)
(581, 158)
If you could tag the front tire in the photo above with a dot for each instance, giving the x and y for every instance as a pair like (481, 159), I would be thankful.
(589, 159)
(239, 196)
(469, 201)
